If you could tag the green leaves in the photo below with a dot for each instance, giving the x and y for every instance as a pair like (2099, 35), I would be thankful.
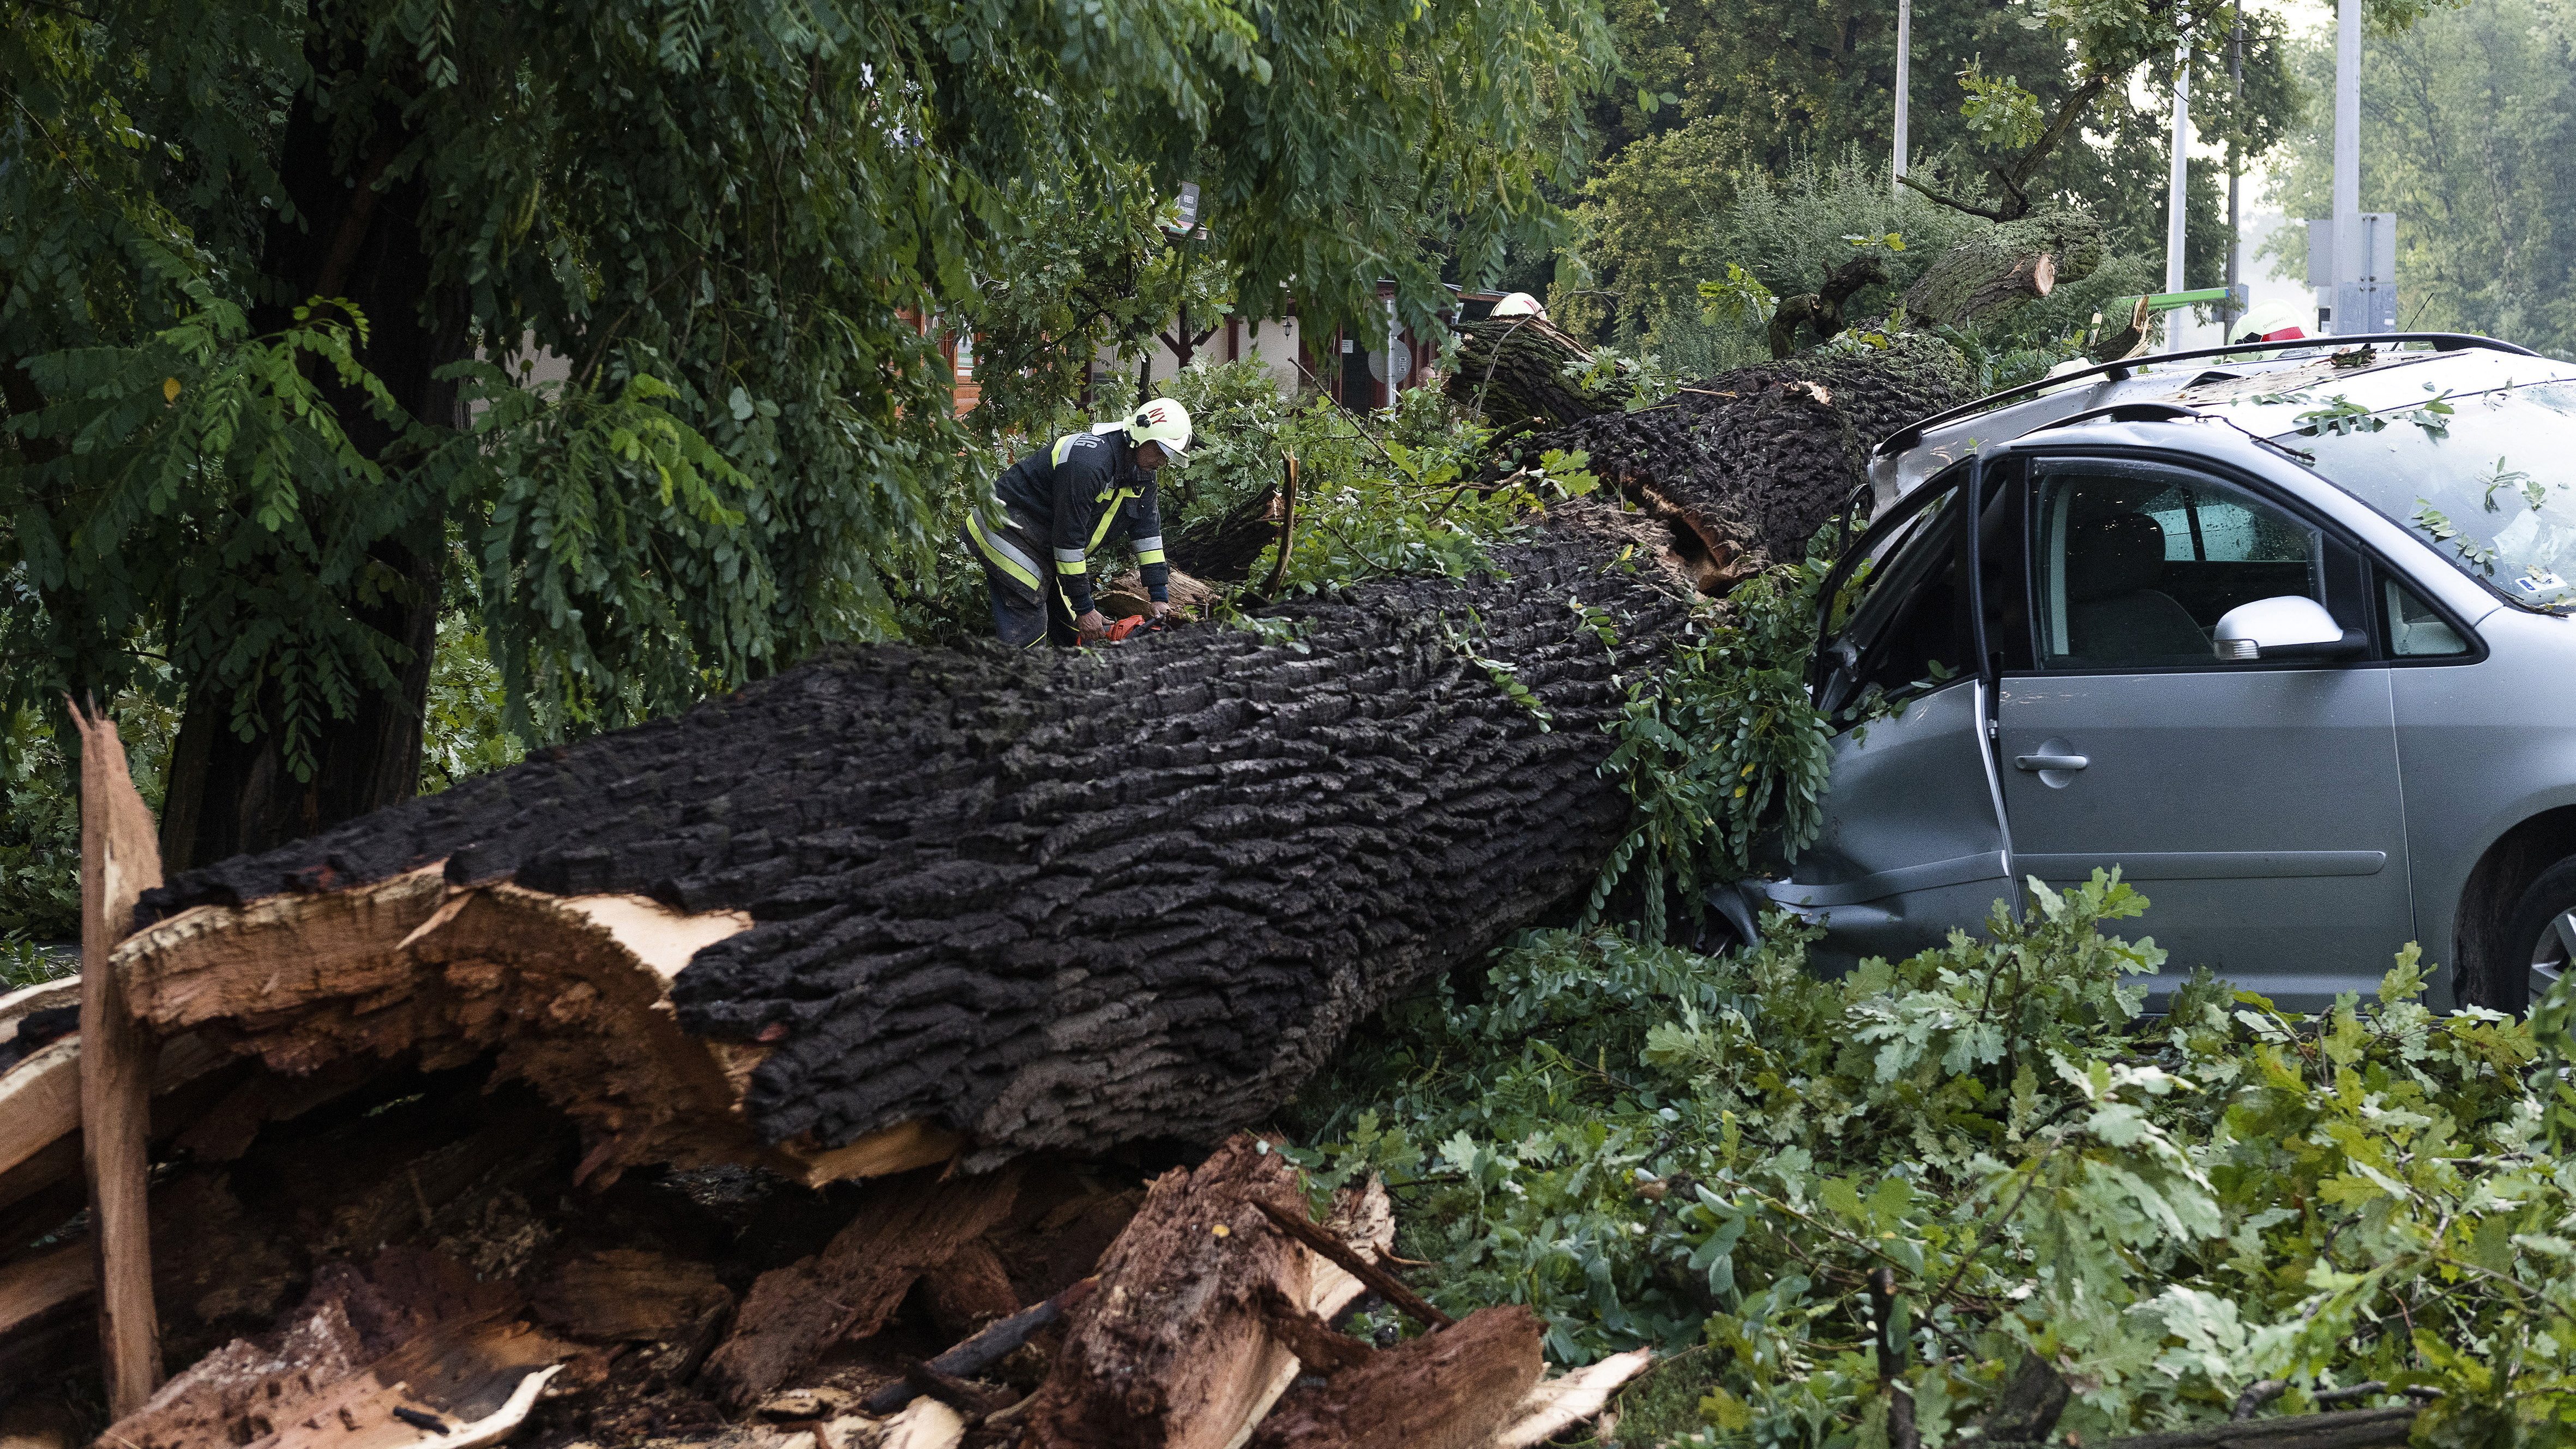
(1719, 748)
(1652, 1146)
(2000, 114)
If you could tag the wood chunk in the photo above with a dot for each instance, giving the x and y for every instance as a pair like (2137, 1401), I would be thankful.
(1445, 1390)
(1311, 1339)
(1363, 1219)
(628, 1295)
(1292, 1221)
(1560, 1403)
(572, 992)
(968, 1291)
(905, 1227)
(413, 1331)
(987, 1348)
(1171, 1351)
(120, 859)
(927, 1424)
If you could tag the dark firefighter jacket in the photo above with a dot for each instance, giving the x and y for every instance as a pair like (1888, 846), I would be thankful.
(1059, 505)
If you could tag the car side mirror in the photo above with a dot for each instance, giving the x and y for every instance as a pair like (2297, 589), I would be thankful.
(2292, 626)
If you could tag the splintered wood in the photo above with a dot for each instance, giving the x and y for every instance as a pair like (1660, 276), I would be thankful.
(908, 1227)
(410, 1351)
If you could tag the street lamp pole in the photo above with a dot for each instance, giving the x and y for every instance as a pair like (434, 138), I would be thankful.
(1904, 79)
(2180, 174)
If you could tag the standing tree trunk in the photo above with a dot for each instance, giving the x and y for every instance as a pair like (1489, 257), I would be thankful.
(354, 234)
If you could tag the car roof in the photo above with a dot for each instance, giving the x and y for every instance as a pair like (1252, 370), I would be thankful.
(2261, 391)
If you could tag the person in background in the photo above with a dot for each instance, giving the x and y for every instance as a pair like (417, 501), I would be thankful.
(1059, 505)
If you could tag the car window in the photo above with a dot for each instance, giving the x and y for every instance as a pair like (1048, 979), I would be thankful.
(2414, 630)
(1905, 622)
(2135, 562)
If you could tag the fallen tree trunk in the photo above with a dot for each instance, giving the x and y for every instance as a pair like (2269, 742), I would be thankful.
(1515, 370)
(1747, 465)
(2006, 266)
(904, 901)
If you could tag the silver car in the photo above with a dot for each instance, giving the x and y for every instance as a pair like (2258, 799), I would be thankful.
(2283, 633)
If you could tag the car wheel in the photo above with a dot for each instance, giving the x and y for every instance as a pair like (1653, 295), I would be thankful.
(2538, 940)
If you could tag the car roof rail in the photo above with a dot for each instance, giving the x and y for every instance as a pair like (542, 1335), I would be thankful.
(2118, 371)
(2125, 412)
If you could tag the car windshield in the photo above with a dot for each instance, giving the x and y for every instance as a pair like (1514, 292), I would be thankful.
(2489, 478)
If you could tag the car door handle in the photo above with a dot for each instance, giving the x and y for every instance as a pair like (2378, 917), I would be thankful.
(2050, 762)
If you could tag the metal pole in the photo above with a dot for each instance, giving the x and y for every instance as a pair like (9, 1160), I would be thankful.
(2175, 184)
(2228, 311)
(1904, 76)
(2348, 259)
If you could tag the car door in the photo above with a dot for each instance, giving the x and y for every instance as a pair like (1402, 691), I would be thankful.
(1911, 843)
(2255, 803)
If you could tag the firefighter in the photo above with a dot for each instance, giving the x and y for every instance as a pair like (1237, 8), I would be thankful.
(1057, 505)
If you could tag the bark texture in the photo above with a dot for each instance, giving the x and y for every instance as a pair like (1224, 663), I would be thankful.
(1068, 902)
(1747, 465)
(1513, 370)
(2015, 262)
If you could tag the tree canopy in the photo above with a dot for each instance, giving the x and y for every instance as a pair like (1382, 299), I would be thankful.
(275, 274)
(2466, 119)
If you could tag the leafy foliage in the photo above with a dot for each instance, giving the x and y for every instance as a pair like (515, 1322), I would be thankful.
(1715, 1154)
(727, 221)
(1682, 254)
(40, 812)
(2470, 109)
(1721, 749)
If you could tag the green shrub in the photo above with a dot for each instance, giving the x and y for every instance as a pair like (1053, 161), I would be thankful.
(1715, 1154)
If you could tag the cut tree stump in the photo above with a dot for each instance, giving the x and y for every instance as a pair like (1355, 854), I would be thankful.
(1447, 1390)
(906, 1227)
(896, 904)
(1171, 1350)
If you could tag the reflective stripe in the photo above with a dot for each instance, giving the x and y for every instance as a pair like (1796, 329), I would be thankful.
(1071, 566)
(1148, 556)
(1070, 555)
(1006, 558)
(1115, 500)
(1063, 446)
(1155, 543)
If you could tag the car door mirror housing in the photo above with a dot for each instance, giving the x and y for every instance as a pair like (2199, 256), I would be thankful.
(2291, 626)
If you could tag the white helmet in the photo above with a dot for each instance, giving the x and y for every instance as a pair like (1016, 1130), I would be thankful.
(1518, 304)
(1162, 421)
(2272, 322)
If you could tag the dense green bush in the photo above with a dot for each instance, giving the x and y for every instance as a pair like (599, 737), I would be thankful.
(1714, 1154)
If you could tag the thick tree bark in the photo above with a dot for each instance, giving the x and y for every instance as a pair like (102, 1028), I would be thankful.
(2013, 263)
(1513, 370)
(1747, 465)
(1066, 902)
(353, 234)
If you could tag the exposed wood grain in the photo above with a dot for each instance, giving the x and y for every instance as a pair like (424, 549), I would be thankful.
(1445, 1390)
(120, 859)
(1172, 1350)
(905, 1227)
